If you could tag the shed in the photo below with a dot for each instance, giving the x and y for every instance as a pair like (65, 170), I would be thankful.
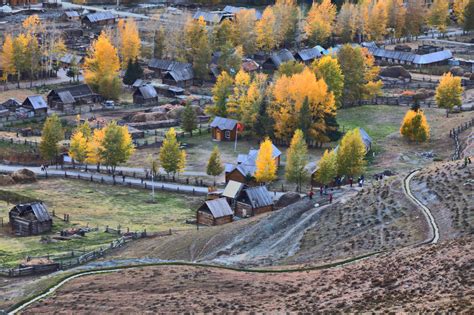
(409, 58)
(250, 65)
(223, 129)
(214, 212)
(232, 189)
(99, 18)
(37, 104)
(70, 16)
(135, 133)
(145, 94)
(307, 55)
(30, 219)
(68, 59)
(276, 59)
(68, 98)
(11, 104)
(168, 90)
(212, 17)
(254, 201)
(180, 74)
(161, 66)
(234, 10)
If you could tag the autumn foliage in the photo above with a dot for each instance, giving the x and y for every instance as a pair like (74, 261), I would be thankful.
(415, 127)
(266, 165)
(448, 92)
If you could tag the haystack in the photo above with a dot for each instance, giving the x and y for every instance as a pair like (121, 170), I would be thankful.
(24, 176)
(287, 199)
(395, 72)
(6, 180)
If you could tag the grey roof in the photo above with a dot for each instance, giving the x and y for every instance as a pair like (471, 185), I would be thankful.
(100, 16)
(223, 123)
(411, 57)
(36, 101)
(11, 102)
(181, 72)
(308, 54)
(219, 207)
(281, 56)
(213, 17)
(39, 209)
(232, 189)
(66, 97)
(246, 163)
(365, 138)
(138, 83)
(259, 196)
(161, 64)
(69, 58)
(235, 10)
(147, 91)
(71, 14)
(76, 91)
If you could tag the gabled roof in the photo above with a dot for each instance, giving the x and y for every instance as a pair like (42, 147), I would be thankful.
(11, 102)
(223, 123)
(246, 163)
(411, 57)
(99, 16)
(249, 65)
(308, 54)
(219, 207)
(181, 72)
(39, 209)
(213, 17)
(36, 101)
(147, 91)
(365, 138)
(232, 189)
(281, 56)
(77, 91)
(161, 64)
(138, 83)
(259, 196)
(66, 97)
(71, 14)
(235, 10)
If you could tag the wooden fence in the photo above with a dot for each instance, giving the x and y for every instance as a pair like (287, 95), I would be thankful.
(454, 134)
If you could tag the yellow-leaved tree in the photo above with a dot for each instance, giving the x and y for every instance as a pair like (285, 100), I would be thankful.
(78, 147)
(266, 165)
(459, 7)
(102, 66)
(129, 40)
(265, 29)
(116, 146)
(7, 58)
(377, 24)
(94, 147)
(296, 159)
(244, 30)
(415, 127)
(328, 69)
(320, 22)
(327, 167)
(449, 92)
(302, 101)
(438, 15)
(172, 159)
(351, 153)
(237, 101)
(396, 13)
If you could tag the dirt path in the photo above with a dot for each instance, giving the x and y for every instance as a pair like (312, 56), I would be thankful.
(426, 211)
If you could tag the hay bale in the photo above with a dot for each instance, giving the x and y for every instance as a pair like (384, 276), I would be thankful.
(176, 112)
(457, 71)
(6, 180)
(24, 176)
(287, 199)
(395, 72)
(138, 117)
(422, 94)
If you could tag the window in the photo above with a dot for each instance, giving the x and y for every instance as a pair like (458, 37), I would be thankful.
(227, 134)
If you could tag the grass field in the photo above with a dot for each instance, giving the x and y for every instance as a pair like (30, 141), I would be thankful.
(94, 205)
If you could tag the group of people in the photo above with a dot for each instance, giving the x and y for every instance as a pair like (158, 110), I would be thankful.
(44, 167)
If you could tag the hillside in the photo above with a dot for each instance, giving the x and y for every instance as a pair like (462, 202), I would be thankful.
(439, 284)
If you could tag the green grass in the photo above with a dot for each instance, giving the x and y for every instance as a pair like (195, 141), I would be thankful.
(93, 205)
(378, 120)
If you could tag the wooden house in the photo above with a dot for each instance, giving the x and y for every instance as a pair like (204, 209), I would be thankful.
(181, 74)
(99, 19)
(70, 16)
(212, 17)
(223, 129)
(30, 219)
(277, 59)
(68, 98)
(214, 212)
(250, 65)
(253, 201)
(308, 55)
(145, 95)
(36, 104)
(11, 104)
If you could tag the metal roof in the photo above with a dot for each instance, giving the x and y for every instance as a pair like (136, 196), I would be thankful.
(232, 189)
(246, 163)
(181, 71)
(39, 209)
(213, 17)
(138, 83)
(281, 56)
(66, 97)
(223, 123)
(100, 16)
(71, 14)
(69, 58)
(411, 57)
(77, 91)
(147, 91)
(259, 196)
(161, 64)
(308, 54)
(219, 207)
(366, 139)
(36, 101)
(235, 10)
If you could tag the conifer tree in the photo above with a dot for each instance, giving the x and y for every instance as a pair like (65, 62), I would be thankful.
(51, 135)
(214, 165)
(159, 43)
(7, 58)
(327, 167)
(265, 29)
(220, 93)
(188, 119)
(296, 159)
(265, 164)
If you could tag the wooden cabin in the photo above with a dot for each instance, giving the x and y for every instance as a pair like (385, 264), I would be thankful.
(36, 104)
(277, 59)
(30, 219)
(145, 95)
(223, 129)
(99, 19)
(253, 201)
(70, 16)
(307, 55)
(181, 75)
(214, 212)
(68, 98)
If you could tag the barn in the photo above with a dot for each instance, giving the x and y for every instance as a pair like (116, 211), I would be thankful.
(307, 55)
(276, 59)
(145, 95)
(215, 212)
(30, 219)
(99, 19)
(67, 98)
(253, 201)
(223, 129)
(181, 74)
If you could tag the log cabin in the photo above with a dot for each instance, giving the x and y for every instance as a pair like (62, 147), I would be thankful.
(30, 219)
(253, 201)
(214, 212)
(223, 129)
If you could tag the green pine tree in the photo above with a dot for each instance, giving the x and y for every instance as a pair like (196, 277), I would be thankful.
(188, 119)
(296, 159)
(159, 43)
(214, 165)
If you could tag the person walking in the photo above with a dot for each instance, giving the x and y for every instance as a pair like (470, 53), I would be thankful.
(321, 191)
(311, 194)
(330, 197)
(350, 181)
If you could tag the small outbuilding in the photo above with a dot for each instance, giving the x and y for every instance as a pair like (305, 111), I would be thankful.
(181, 74)
(307, 55)
(253, 201)
(11, 104)
(70, 16)
(68, 98)
(37, 104)
(30, 219)
(214, 212)
(223, 129)
(277, 59)
(99, 19)
(145, 95)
